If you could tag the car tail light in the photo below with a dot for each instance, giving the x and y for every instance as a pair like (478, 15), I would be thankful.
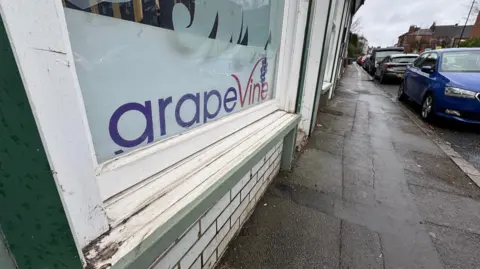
(389, 65)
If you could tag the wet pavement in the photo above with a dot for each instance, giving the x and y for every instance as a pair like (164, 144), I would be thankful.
(369, 191)
(463, 138)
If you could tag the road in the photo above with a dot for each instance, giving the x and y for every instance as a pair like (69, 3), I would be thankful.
(464, 138)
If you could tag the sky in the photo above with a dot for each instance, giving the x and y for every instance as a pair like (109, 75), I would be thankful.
(382, 21)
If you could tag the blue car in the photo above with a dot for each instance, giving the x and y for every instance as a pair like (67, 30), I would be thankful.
(445, 83)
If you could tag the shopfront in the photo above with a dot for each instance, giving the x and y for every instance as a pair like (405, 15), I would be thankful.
(162, 122)
(142, 133)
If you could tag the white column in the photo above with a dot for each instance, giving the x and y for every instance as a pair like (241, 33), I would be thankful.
(313, 52)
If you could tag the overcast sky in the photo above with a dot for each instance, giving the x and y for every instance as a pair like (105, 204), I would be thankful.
(382, 21)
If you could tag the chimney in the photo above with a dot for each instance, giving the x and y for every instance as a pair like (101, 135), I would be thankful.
(476, 27)
(412, 29)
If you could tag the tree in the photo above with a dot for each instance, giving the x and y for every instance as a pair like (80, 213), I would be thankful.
(355, 45)
(473, 42)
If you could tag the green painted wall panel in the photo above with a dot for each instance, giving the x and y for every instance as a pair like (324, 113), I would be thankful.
(31, 214)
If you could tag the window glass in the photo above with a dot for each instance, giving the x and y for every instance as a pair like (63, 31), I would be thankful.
(380, 55)
(152, 69)
(461, 61)
(431, 60)
(404, 60)
(419, 61)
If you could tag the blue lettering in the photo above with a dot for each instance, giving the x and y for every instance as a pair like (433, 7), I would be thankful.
(206, 98)
(147, 134)
(227, 99)
(196, 118)
(162, 105)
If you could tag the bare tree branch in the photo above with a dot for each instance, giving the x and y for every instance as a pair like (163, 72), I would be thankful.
(473, 14)
(356, 26)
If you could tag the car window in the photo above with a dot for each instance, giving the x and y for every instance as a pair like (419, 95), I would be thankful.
(431, 60)
(419, 61)
(404, 60)
(380, 55)
(461, 61)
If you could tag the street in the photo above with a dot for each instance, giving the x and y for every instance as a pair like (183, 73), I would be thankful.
(464, 138)
(371, 190)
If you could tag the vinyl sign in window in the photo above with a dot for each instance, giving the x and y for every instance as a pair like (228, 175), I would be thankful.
(152, 69)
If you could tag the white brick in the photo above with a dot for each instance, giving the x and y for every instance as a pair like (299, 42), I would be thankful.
(257, 166)
(223, 245)
(212, 246)
(247, 212)
(253, 194)
(228, 212)
(270, 152)
(263, 169)
(214, 212)
(210, 263)
(197, 264)
(269, 172)
(179, 249)
(239, 186)
(261, 191)
(199, 246)
(246, 190)
(239, 210)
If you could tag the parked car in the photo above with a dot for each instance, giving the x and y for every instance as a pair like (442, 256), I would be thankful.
(446, 83)
(378, 55)
(367, 63)
(393, 66)
(363, 59)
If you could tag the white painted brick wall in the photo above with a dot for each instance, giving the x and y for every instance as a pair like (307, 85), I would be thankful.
(202, 246)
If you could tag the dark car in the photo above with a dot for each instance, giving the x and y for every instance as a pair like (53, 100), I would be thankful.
(446, 83)
(393, 66)
(378, 55)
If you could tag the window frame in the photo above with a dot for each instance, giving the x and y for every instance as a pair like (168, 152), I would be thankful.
(436, 60)
(420, 59)
(44, 57)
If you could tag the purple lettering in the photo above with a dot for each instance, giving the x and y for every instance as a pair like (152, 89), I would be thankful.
(196, 118)
(162, 105)
(147, 134)
(227, 100)
(206, 98)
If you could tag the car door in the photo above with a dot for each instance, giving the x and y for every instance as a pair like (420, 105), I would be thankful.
(412, 77)
(427, 79)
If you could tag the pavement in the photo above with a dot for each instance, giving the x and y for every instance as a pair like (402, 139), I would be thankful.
(370, 190)
(463, 138)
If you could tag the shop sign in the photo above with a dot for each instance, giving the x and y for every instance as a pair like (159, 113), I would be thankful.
(146, 81)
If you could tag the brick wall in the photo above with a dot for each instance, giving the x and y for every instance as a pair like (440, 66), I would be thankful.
(476, 27)
(204, 243)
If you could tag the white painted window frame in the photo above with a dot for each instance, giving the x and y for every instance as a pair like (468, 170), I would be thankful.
(39, 37)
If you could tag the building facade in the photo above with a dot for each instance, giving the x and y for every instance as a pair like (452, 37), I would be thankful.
(417, 40)
(141, 134)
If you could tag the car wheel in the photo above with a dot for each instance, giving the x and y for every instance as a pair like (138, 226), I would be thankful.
(401, 92)
(428, 107)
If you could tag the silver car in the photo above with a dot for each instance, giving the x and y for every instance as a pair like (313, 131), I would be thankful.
(394, 66)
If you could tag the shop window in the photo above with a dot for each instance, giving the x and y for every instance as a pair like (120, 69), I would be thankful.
(153, 69)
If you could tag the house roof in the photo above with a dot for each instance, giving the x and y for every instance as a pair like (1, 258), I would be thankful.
(452, 31)
(423, 32)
